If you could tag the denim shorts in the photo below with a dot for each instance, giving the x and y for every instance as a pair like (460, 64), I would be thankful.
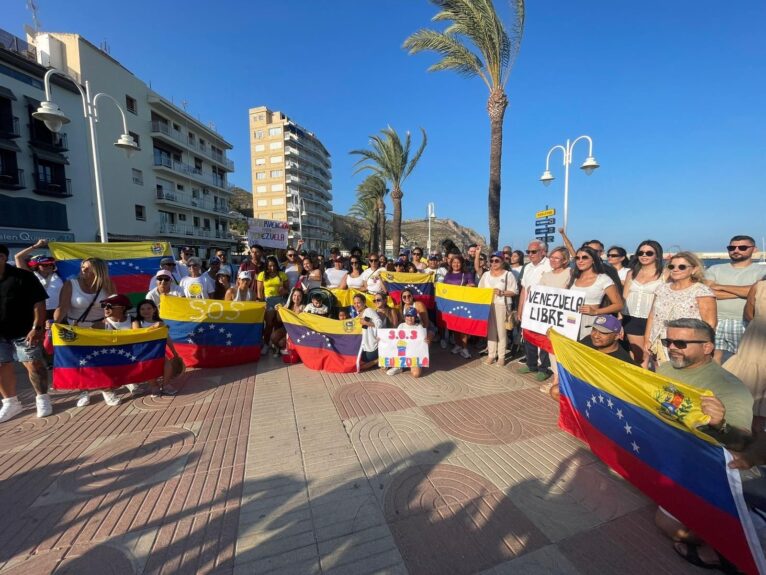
(17, 350)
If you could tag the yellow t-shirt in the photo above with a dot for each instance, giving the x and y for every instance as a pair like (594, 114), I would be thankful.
(271, 285)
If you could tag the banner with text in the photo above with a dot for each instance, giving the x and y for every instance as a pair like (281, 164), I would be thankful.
(546, 307)
(402, 347)
(267, 233)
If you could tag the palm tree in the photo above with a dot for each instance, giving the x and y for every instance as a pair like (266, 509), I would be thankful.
(476, 43)
(373, 186)
(365, 208)
(390, 159)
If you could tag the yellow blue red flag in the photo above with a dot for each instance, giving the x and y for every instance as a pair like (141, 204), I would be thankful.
(421, 285)
(463, 309)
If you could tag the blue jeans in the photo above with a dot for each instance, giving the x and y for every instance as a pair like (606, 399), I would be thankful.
(533, 354)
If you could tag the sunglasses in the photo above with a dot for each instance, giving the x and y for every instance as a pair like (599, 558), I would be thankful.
(580, 258)
(645, 253)
(378, 300)
(406, 296)
(355, 263)
(681, 267)
(417, 253)
(163, 279)
(110, 306)
(496, 261)
(290, 255)
(613, 255)
(531, 252)
(680, 343)
(739, 248)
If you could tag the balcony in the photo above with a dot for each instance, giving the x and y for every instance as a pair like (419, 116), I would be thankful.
(195, 232)
(178, 137)
(12, 179)
(48, 140)
(9, 128)
(164, 162)
(58, 188)
(192, 202)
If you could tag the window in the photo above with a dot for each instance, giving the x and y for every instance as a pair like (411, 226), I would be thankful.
(260, 147)
(277, 187)
(196, 221)
(191, 138)
(276, 159)
(275, 174)
(260, 189)
(131, 104)
(275, 131)
(263, 215)
(180, 187)
(258, 134)
(181, 217)
(138, 177)
(198, 164)
(140, 212)
(260, 175)
(206, 224)
(262, 203)
(275, 146)
(136, 137)
(176, 127)
(202, 144)
(260, 161)
(278, 202)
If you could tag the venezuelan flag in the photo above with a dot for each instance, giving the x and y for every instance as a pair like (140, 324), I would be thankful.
(422, 286)
(463, 309)
(88, 358)
(213, 333)
(322, 343)
(645, 427)
(131, 264)
(345, 298)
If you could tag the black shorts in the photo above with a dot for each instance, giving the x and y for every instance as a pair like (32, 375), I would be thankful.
(634, 325)
(368, 356)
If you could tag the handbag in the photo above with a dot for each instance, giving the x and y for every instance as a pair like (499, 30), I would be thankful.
(510, 316)
(48, 342)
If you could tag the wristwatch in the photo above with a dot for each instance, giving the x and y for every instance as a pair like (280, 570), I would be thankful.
(38, 327)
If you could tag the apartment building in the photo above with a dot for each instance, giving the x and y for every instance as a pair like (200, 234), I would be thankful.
(291, 177)
(45, 177)
(175, 188)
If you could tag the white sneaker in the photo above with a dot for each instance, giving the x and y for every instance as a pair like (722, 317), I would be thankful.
(11, 408)
(457, 349)
(394, 371)
(83, 399)
(132, 387)
(110, 398)
(44, 407)
(464, 353)
(443, 343)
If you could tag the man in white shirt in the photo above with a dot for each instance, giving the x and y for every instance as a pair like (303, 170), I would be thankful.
(164, 286)
(334, 276)
(197, 285)
(169, 266)
(537, 360)
(183, 263)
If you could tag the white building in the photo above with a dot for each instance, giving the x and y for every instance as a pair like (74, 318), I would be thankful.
(175, 188)
(45, 178)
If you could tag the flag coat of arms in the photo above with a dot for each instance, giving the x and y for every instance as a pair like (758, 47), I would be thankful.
(86, 358)
(421, 285)
(322, 343)
(214, 333)
(131, 264)
(463, 309)
(645, 427)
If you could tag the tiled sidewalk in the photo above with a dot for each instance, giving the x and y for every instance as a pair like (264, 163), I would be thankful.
(275, 469)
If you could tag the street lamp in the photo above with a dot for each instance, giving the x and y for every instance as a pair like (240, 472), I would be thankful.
(431, 216)
(588, 166)
(50, 113)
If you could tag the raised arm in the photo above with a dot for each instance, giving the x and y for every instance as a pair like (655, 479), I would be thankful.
(21, 257)
(567, 243)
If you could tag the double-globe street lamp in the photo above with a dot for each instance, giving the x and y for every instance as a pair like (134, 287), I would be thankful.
(588, 166)
(50, 113)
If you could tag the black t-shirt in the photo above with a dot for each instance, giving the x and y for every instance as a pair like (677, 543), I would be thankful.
(619, 353)
(20, 290)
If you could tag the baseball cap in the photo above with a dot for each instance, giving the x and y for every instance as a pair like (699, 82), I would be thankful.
(497, 254)
(244, 275)
(223, 272)
(117, 299)
(163, 274)
(433, 257)
(411, 312)
(186, 248)
(167, 261)
(214, 260)
(607, 324)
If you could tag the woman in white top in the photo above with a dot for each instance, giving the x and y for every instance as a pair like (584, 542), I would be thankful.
(503, 282)
(371, 275)
(243, 290)
(617, 257)
(354, 279)
(79, 297)
(589, 277)
(644, 277)
(559, 276)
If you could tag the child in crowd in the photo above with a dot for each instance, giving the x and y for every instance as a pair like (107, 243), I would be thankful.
(316, 306)
(342, 314)
(149, 316)
(411, 320)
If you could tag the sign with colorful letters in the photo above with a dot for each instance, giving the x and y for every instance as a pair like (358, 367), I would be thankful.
(267, 233)
(405, 347)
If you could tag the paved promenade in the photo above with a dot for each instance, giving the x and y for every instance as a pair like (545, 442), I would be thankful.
(273, 469)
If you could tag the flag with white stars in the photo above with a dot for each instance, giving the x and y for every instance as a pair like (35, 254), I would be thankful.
(464, 309)
(652, 431)
(421, 286)
(87, 358)
(213, 333)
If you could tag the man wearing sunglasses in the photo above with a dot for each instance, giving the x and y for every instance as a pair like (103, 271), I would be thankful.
(293, 264)
(163, 285)
(731, 283)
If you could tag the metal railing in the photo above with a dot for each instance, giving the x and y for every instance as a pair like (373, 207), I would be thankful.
(194, 231)
(221, 208)
(61, 188)
(192, 171)
(178, 136)
(12, 179)
(10, 129)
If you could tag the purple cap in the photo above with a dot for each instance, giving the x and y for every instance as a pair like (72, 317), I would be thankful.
(607, 324)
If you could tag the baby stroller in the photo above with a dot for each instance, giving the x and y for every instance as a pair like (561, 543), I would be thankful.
(327, 298)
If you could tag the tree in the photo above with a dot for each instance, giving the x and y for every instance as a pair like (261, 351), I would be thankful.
(390, 159)
(365, 208)
(373, 186)
(476, 43)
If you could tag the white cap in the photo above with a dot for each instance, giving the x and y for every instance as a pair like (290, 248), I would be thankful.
(244, 275)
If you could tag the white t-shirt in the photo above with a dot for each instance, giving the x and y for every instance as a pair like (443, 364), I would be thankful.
(110, 324)
(52, 285)
(595, 293)
(370, 334)
(198, 288)
(154, 295)
(182, 269)
(355, 282)
(292, 271)
(333, 277)
(505, 282)
(532, 273)
(372, 277)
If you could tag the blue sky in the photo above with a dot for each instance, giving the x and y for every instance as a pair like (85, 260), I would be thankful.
(671, 92)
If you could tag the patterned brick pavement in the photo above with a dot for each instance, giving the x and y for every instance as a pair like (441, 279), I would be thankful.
(274, 469)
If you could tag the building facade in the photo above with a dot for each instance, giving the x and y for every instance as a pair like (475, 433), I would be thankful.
(175, 188)
(291, 177)
(45, 177)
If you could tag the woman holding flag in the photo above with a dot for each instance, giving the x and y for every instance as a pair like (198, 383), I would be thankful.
(458, 276)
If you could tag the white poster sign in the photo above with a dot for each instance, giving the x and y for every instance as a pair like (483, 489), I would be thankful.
(267, 233)
(403, 347)
(546, 307)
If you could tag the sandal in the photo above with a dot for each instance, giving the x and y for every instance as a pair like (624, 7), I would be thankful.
(692, 556)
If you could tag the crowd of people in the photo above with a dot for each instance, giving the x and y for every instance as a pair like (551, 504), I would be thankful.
(666, 313)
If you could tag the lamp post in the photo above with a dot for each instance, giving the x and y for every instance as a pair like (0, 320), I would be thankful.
(431, 216)
(588, 166)
(50, 113)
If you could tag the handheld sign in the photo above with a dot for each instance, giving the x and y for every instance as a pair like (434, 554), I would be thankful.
(403, 347)
(546, 307)
(267, 233)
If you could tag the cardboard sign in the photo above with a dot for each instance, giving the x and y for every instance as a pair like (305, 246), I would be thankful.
(267, 233)
(403, 347)
(546, 307)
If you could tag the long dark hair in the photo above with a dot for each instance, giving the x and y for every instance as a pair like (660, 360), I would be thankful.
(155, 315)
(290, 298)
(623, 254)
(266, 273)
(520, 254)
(635, 265)
(597, 266)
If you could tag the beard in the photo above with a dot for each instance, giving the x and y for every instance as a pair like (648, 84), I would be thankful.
(679, 361)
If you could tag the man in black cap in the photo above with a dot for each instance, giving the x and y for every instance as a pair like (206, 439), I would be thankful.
(183, 262)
